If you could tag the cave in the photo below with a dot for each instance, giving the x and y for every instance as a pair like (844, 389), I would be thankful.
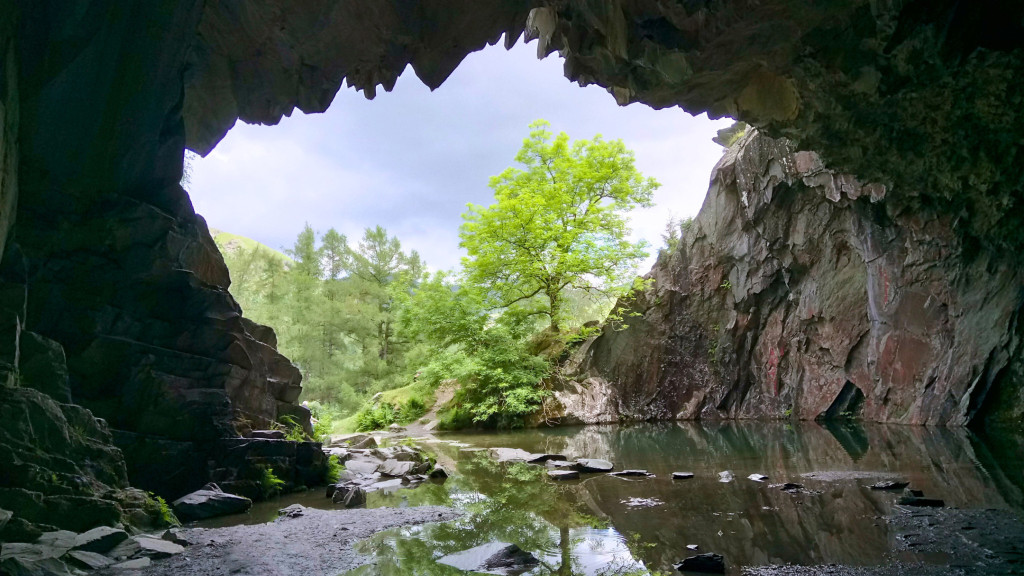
(118, 328)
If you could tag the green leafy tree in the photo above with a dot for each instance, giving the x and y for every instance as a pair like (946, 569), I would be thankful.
(499, 379)
(557, 223)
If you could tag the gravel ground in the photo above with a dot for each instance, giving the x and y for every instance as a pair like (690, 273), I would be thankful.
(318, 543)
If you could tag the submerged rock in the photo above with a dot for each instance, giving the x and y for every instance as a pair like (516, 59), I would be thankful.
(632, 474)
(560, 464)
(725, 476)
(510, 455)
(682, 475)
(494, 558)
(209, 502)
(890, 485)
(757, 477)
(709, 563)
(593, 465)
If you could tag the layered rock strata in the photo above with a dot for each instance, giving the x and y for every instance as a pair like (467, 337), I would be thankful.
(800, 291)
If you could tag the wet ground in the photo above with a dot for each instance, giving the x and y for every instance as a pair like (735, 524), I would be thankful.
(603, 525)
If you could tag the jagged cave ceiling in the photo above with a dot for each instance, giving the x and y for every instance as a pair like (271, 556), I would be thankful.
(921, 96)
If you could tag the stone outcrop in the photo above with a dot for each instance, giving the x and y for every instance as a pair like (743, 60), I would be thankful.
(801, 291)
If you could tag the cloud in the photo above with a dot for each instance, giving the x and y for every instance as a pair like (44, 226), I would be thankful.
(410, 160)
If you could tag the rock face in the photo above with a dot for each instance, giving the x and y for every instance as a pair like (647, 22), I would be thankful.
(801, 291)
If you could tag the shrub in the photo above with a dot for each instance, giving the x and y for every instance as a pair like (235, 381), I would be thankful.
(376, 417)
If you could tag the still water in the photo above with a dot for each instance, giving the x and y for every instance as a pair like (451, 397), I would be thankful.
(604, 525)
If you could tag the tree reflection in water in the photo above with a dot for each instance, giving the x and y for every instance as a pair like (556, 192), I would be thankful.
(512, 503)
(577, 527)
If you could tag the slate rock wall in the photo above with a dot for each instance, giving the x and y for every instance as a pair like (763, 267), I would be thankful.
(799, 291)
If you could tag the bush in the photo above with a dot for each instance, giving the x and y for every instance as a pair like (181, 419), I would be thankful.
(376, 417)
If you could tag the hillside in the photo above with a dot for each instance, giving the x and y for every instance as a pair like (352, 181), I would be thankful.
(230, 243)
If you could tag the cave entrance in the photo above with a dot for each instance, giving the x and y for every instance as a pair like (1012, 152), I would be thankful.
(847, 405)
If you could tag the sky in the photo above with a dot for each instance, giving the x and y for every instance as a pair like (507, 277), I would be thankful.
(410, 160)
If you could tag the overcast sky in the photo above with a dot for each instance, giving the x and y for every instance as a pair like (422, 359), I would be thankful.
(410, 160)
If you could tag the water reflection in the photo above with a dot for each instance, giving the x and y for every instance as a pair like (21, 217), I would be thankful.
(587, 527)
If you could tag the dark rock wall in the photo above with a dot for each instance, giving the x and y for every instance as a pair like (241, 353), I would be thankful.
(122, 277)
(801, 291)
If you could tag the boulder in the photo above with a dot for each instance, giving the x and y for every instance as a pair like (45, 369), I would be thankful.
(682, 475)
(208, 503)
(100, 540)
(757, 477)
(593, 465)
(340, 492)
(725, 476)
(355, 497)
(175, 535)
(395, 468)
(5, 516)
(293, 511)
(563, 474)
(708, 563)
(438, 473)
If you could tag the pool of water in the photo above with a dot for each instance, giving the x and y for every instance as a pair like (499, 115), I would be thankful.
(603, 525)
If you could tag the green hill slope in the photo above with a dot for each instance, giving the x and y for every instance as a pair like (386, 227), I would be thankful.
(230, 243)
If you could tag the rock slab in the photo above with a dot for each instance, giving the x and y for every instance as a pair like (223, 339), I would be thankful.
(209, 503)
(709, 563)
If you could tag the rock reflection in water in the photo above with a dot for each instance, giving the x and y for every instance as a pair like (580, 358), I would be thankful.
(587, 526)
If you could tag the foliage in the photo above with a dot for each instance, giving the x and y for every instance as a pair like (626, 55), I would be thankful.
(334, 308)
(334, 469)
(270, 484)
(293, 431)
(728, 136)
(557, 223)
(487, 353)
(376, 417)
(157, 506)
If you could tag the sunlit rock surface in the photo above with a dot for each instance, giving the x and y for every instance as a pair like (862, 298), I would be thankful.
(801, 291)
